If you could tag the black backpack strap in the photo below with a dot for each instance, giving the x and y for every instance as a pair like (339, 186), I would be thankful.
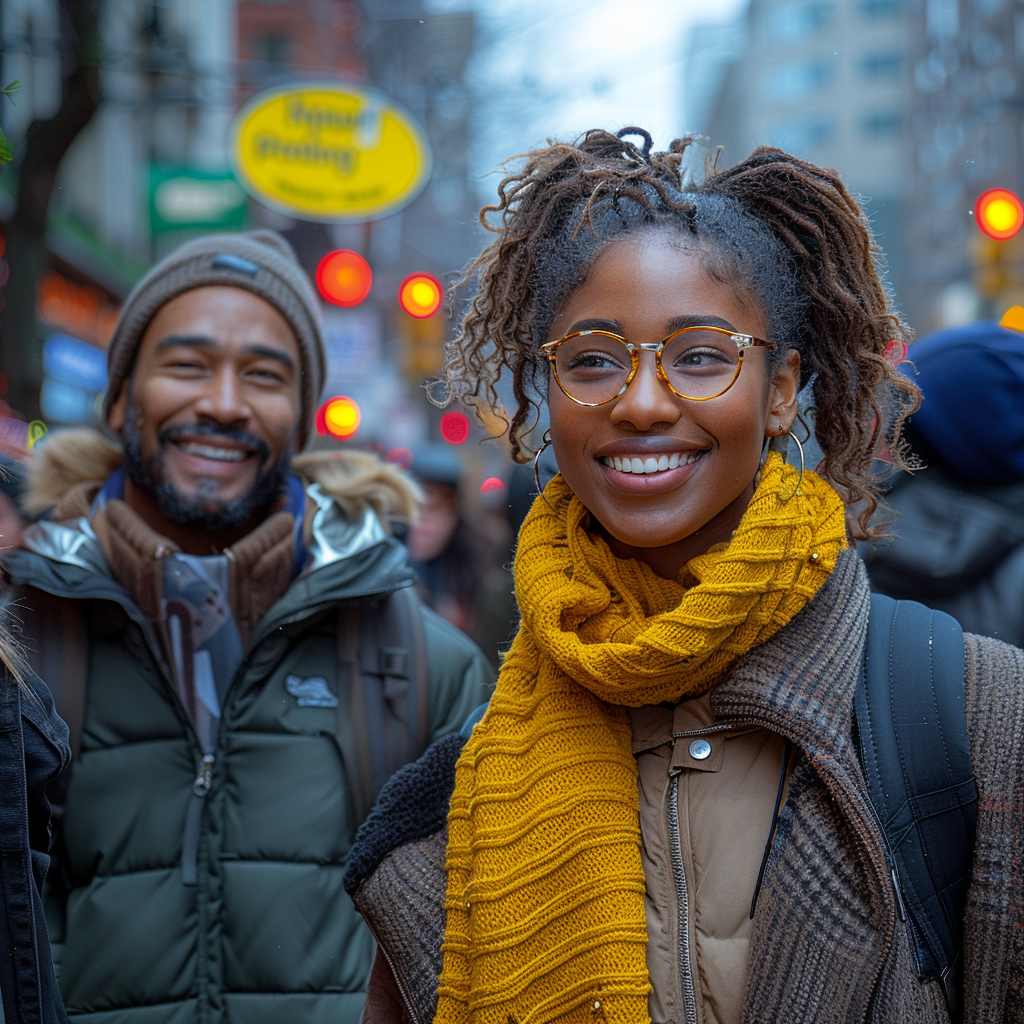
(384, 692)
(915, 751)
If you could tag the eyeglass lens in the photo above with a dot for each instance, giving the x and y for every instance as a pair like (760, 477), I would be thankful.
(592, 368)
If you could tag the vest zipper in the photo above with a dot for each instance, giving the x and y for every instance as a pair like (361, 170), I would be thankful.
(193, 821)
(679, 875)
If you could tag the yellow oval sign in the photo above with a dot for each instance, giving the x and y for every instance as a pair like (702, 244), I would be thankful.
(329, 152)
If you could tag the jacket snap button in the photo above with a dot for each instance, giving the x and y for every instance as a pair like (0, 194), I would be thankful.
(700, 749)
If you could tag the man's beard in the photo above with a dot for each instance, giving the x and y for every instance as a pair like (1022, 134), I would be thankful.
(202, 511)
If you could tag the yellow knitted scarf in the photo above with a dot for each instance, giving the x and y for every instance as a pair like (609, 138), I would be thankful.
(545, 903)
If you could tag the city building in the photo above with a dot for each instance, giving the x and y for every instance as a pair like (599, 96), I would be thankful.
(826, 81)
(918, 105)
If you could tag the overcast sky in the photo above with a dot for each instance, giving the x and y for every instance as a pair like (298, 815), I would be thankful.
(557, 67)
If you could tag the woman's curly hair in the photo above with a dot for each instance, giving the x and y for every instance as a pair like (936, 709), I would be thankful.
(784, 232)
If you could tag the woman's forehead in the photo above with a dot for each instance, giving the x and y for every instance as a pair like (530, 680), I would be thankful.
(650, 282)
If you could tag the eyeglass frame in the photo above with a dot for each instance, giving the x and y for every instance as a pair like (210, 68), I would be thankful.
(743, 342)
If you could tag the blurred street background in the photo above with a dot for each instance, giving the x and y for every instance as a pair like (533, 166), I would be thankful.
(125, 120)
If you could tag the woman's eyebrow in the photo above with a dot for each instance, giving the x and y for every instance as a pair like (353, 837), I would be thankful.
(596, 325)
(677, 323)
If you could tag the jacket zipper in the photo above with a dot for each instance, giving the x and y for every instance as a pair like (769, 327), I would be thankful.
(194, 820)
(394, 974)
(679, 875)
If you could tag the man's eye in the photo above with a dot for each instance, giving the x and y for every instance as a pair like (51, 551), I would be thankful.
(266, 376)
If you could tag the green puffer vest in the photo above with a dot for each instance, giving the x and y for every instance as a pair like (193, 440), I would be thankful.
(267, 933)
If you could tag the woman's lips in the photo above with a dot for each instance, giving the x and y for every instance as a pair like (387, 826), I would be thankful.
(652, 473)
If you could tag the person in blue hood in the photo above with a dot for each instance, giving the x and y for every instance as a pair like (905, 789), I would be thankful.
(959, 543)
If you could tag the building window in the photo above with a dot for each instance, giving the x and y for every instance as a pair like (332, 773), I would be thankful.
(882, 124)
(883, 64)
(795, 23)
(271, 48)
(791, 82)
(801, 136)
(876, 7)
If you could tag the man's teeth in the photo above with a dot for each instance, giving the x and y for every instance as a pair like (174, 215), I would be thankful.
(652, 463)
(209, 451)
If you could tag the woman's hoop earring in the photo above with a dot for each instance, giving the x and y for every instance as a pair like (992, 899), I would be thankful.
(546, 439)
(800, 479)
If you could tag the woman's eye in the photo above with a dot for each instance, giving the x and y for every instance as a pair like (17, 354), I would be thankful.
(700, 357)
(593, 361)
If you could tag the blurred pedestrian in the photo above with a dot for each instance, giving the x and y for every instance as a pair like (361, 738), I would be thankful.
(33, 752)
(664, 812)
(959, 536)
(239, 652)
(452, 556)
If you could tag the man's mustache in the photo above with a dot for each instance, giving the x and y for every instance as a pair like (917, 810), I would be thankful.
(233, 434)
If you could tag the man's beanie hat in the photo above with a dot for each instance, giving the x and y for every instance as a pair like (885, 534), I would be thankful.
(261, 262)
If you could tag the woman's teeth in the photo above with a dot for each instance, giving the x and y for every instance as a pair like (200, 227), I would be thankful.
(209, 451)
(652, 463)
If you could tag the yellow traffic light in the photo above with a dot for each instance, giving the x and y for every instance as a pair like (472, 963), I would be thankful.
(340, 417)
(999, 213)
(420, 295)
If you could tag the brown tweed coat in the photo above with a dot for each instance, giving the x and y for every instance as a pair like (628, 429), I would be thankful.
(828, 944)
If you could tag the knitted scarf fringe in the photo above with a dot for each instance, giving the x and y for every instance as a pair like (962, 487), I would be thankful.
(545, 902)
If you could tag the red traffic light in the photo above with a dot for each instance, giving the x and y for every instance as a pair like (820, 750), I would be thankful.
(420, 295)
(999, 213)
(344, 277)
(340, 417)
(454, 427)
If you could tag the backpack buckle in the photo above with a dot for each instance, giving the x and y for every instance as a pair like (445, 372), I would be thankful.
(392, 661)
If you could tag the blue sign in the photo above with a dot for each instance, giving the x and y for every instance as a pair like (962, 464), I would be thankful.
(75, 362)
(65, 403)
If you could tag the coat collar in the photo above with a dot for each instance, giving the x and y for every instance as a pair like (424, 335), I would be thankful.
(801, 682)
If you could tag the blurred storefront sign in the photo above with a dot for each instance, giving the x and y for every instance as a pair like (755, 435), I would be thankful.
(185, 198)
(75, 362)
(79, 310)
(352, 343)
(76, 374)
(329, 152)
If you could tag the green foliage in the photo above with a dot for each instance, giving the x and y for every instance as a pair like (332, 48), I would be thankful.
(6, 149)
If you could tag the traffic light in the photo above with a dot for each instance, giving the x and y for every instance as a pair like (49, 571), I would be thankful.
(998, 252)
(339, 417)
(455, 427)
(999, 213)
(344, 277)
(420, 295)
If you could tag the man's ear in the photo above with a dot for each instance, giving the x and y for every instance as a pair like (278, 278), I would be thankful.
(119, 410)
(782, 396)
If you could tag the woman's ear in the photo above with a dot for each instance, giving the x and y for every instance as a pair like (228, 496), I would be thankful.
(782, 395)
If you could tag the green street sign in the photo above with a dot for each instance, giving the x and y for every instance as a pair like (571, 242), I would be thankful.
(185, 198)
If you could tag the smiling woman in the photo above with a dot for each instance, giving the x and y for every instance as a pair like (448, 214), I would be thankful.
(662, 815)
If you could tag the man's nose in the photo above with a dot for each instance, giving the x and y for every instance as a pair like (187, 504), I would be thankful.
(224, 398)
(648, 399)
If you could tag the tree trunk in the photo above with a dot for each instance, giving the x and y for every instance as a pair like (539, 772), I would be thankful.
(46, 143)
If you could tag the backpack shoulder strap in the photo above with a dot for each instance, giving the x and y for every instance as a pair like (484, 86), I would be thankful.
(915, 751)
(384, 717)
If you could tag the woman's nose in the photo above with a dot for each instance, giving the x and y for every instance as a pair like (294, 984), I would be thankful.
(648, 399)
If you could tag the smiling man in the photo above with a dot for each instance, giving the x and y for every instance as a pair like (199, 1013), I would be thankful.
(230, 631)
